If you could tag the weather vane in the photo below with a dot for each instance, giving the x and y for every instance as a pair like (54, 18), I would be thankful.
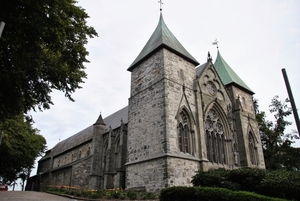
(216, 42)
(161, 3)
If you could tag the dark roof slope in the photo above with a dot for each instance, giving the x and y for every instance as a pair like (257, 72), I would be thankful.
(227, 75)
(112, 121)
(162, 37)
(200, 68)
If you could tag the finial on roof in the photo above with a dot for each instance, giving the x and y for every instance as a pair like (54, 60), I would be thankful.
(216, 42)
(161, 3)
(209, 57)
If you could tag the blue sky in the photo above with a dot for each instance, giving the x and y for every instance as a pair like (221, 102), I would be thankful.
(256, 38)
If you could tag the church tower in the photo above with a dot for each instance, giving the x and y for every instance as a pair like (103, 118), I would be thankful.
(161, 95)
(246, 137)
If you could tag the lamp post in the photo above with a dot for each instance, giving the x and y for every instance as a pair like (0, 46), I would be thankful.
(290, 93)
(2, 24)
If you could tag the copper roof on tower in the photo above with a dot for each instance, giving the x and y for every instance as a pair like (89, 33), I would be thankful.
(227, 75)
(162, 37)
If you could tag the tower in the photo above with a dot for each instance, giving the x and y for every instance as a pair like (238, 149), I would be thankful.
(161, 79)
(97, 144)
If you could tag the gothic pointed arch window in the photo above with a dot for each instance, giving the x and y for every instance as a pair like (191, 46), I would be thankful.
(184, 132)
(215, 138)
(253, 149)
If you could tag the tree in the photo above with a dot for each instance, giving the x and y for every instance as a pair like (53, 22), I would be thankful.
(277, 145)
(41, 49)
(21, 145)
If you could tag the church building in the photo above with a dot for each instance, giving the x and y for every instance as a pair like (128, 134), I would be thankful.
(181, 117)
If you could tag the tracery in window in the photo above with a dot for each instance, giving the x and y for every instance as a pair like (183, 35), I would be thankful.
(252, 149)
(184, 133)
(215, 138)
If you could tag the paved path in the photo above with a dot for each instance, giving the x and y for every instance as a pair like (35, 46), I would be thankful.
(30, 196)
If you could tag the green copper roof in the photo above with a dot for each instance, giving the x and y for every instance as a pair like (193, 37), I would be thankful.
(162, 37)
(227, 75)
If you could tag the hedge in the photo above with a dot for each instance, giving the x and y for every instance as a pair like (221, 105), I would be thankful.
(279, 183)
(181, 193)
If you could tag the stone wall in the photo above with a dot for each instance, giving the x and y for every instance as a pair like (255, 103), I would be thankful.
(180, 171)
(72, 155)
(45, 165)
(179, 75)
(245, 122)
(146, 127)
(62, 177)
(81, 173)
(149, 175)
(212, 94)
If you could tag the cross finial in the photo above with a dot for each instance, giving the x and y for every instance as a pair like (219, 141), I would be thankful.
(161, 3)
(216, 42)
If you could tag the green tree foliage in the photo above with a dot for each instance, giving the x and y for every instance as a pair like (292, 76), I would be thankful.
(41, 49)
(277, 145)
(21, 145)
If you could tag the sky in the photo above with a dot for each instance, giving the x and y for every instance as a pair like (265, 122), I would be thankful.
(256, 38)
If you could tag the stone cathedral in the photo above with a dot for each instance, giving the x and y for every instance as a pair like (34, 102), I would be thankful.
(181, 117)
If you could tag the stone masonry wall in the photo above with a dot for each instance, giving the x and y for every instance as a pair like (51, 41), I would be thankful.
(180, 75)
(62, 177)
(44, 165)
(246, 122)
(213, 94)
(72, 155)
(146, 127)
(180, 171)
(146, 111)
(149, 175)
(81, 173)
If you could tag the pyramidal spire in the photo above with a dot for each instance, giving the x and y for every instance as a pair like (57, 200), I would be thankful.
(99, 120)
(162, 37)
(227, 75)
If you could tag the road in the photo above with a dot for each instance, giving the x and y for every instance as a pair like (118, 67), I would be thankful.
(30, 196)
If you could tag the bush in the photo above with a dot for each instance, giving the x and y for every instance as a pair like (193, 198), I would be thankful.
(281, 183)
(211, 194)
(99, 193)
(247, 179)
(148, 196)
(212, 178)
(117, 194)
(132, 195)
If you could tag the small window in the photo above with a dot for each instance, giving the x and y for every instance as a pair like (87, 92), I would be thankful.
(184, 133)
(253, 150)
(88, 151)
